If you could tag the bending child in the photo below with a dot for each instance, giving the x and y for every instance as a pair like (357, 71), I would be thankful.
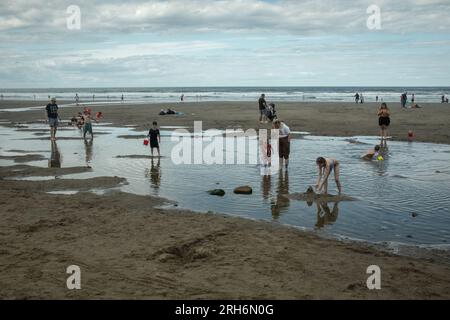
(325, 166)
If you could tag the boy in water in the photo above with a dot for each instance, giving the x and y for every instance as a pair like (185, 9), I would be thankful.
(52, 117)
(155, 138)
(325, 166)
(88, 123)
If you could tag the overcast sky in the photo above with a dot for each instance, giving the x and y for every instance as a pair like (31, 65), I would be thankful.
(224, 43)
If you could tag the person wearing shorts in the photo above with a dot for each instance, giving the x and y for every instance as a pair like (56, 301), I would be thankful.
(384, 120)
(284, 142)
(326, 166)
(155, 138)
(52, 117)
(87, 124)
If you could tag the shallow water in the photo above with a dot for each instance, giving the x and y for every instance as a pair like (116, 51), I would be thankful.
(404, 199)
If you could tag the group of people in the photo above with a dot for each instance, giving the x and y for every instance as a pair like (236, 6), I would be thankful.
(326, 166)
(83, 120)
(267, 112)
(444, 99)
(359, 98)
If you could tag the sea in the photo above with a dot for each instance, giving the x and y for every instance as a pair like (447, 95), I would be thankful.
(198, 94)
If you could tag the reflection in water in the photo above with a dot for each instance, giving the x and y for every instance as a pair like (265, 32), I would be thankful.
(55, 157)
(88, 145)
(266, 185)
(325, 216)
(281, 203)
(154, 174)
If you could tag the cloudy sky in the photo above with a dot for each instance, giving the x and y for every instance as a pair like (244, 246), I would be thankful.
(224, 43)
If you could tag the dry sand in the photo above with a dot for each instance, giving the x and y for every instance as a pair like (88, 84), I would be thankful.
(128, 248)
(430, 124)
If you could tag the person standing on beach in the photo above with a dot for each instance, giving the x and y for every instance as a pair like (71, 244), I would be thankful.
(77, 99)
(361, 98)
(122, 98)
(284, 143)
(413, 98)
(404, 99)
(52, 117)
(155, 138)
(88, 123)
(357, 97)
(262, 109)
(376, 98)
(384, 120)
(325, 166)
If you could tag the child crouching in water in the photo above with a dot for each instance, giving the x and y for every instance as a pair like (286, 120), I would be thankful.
(155, 138)
(374, 154)
(325, 166)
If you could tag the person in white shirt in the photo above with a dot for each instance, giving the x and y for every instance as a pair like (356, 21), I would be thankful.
(284, 145)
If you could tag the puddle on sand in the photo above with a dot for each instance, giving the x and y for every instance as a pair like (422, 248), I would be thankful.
(403, 199)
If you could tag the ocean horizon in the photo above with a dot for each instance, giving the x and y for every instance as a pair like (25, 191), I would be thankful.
(197, 94)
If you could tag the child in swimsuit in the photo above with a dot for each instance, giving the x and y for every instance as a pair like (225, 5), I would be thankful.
(373, 154)
(325, 166)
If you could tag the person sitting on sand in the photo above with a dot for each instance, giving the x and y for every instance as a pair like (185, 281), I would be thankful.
(384, 119)
(325, 166)
(373, 154)
(162, 112)
(284, 146)
(155, 138)
(87, 118)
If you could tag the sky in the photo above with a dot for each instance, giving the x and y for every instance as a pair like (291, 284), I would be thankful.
(188, 43)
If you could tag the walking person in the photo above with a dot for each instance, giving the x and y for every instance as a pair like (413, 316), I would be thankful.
(52, 117)
(77, 99)
(155, 138)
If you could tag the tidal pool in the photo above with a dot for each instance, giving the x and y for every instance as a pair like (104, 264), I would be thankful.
(404, 199)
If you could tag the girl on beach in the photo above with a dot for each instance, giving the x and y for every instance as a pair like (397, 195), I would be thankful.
(384, 119)
(325, 166)
(155, 138)
(284, 146)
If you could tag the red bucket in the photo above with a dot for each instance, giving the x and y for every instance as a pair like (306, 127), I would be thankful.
(145, 142)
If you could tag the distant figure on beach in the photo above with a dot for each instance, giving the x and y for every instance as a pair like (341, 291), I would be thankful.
(87, 119)
(404, 99)
(357, 97)
(373, 154)
(77, 99)
(284, 144)
(326, 166)
(93, 97)
(376, 98)
(413, 98)
(271, 112)
(155, 138)
(1, 96)
(384, 120)
(122, 98)
(52, 117)
(361, 98)
(262, 109)
(182, 97)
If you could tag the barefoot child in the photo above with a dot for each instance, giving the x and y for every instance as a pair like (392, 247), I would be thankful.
(373, 154)
(155, 138)
(87, 119)
(326, 165)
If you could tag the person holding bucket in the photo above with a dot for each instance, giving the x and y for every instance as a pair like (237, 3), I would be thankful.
(284, 146)
(154, 138)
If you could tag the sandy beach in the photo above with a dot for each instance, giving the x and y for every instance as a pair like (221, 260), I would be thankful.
(128, 247)
(429, 124)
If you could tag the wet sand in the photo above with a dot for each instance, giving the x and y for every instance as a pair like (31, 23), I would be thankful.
(128, 247)
(430, 124)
